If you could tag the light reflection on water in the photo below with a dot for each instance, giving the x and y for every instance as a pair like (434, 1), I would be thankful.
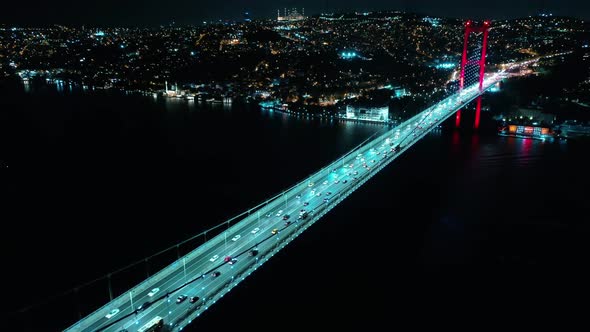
(465, 201)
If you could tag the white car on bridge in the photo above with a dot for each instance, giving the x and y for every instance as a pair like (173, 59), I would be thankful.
(153, 292)
(112, 313)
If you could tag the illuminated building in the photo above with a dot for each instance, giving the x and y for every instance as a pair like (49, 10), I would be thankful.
(377, 114)
(400, 92)
(348, 55)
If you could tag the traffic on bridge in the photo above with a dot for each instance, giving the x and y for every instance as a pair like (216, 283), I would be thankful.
(173, 297)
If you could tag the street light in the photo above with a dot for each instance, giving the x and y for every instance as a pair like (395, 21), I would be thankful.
(131, 300)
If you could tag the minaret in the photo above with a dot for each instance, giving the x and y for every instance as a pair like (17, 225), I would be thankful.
(166, 87)
(278, 14)
(303, 13)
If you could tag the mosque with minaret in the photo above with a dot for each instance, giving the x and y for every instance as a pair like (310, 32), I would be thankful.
(290, 16)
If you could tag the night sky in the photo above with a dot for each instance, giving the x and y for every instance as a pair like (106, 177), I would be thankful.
(154, 13)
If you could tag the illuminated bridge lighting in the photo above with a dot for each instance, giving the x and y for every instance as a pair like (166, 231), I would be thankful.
(265, 229)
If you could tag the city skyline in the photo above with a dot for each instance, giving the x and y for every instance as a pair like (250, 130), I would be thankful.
(172, 149)
(154, 13)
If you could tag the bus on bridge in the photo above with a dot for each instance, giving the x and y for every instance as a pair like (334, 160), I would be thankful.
(154, 325)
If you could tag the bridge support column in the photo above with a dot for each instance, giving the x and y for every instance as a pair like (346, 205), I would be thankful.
(469, 28)
(477, 113)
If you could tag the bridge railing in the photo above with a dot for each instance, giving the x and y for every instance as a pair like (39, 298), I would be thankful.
(286, 235)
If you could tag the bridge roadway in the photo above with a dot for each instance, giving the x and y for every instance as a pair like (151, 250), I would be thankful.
(194, 274)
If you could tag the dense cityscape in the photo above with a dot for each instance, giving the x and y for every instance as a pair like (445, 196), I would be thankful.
(316, 65)
(136, 134)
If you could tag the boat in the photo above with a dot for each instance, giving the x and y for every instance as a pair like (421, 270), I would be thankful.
(525, 131)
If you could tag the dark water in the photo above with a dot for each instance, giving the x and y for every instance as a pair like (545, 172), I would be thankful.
(98, 181)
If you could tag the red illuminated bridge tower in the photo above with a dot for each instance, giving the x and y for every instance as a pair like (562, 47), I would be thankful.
(470, 61)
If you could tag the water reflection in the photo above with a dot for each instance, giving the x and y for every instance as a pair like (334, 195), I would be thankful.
(60, 86)
(479, 200)
(284, 118)
(526, 146)
(27, 86)
(175, 104)
(455, 142)
(474, 142)
(447, 242)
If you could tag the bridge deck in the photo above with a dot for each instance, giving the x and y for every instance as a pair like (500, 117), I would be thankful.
(267, 228)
